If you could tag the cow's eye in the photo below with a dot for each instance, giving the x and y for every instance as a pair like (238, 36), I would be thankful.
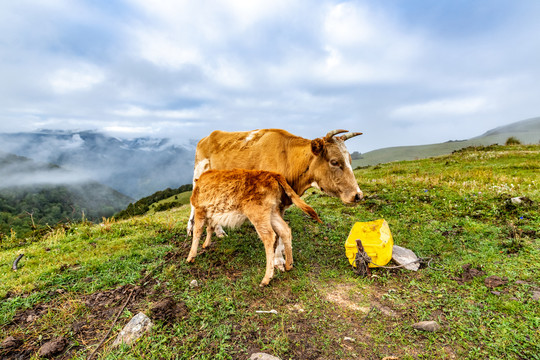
(334, 162)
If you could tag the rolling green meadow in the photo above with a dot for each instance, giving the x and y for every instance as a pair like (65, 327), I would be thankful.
(456, 209)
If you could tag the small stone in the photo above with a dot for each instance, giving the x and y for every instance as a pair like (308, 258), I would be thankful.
(194, 284)
(31, 318)
(431, 326)
(516, 200)
(346, 338)
(498, 293)
(536, 295)
(133, 330)
(263, 356)
(404, 256)
(297, 308)
(52, 348)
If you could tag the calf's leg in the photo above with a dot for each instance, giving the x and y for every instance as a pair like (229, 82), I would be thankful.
(268, 237)
(199, 220)
(208, 241)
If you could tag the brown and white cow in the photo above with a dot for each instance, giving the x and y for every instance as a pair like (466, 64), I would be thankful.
(323, 162)
(229, 197)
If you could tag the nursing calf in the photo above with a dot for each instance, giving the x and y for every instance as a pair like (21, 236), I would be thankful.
(229, 197)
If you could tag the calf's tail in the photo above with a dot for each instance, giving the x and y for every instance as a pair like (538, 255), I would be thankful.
(297, 200)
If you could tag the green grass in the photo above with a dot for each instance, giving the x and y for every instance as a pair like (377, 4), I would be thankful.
(452, 208)
(173, 201)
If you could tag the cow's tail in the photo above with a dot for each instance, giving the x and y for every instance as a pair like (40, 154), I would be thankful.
(297, 200)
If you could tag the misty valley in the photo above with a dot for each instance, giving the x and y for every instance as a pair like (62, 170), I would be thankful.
(52, 177)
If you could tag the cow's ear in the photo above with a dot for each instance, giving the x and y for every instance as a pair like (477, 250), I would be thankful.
(317, 146)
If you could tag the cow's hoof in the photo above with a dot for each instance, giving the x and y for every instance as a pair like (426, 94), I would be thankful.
(289, 267)
(280, 267)
(264, 283)
(190, 259)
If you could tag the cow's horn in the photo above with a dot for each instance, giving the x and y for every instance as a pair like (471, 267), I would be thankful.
(349, 135)
(334, 132)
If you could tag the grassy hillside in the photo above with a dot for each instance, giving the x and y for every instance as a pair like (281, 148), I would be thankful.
(526, 131)
(158, 201)
(455, 209)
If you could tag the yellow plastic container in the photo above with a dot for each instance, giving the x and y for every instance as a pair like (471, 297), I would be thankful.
(376, 239)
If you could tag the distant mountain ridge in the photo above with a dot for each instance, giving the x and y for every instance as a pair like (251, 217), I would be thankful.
(525, 128)
(526, 131)
(35, 195)
(136, 167)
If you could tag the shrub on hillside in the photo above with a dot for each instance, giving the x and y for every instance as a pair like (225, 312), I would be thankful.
(513, 141)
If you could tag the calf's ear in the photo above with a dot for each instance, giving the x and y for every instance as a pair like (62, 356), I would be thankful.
(317, 146)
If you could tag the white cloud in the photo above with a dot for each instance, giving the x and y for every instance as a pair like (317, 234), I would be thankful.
(188, 67)
(78, 78)
(136, 111)
(137, 130)
(464, 106)
(348, 24)
(160, 49)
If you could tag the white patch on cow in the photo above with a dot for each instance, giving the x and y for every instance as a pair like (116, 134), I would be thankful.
(230, 219)
(315, 185)
(251, 135)
(200, 167)
(190, 221)
(345, 153)
(279, 259)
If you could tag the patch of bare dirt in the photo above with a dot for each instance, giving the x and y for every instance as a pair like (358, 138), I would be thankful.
(168, 310)
(468, 273)
(345, 296)
(29, 329)
(494, 281)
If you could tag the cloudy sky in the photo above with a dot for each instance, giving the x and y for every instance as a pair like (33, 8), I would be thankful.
(404, 72)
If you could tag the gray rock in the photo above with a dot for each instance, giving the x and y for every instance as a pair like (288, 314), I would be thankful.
(431, 326)
(133, 330)
(404, 256)
(263, 356)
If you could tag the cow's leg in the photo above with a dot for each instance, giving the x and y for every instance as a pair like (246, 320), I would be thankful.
(285, 236)
(200, 167)
(279, 260)
(220, 233)
(199, 221)
(208, 241)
